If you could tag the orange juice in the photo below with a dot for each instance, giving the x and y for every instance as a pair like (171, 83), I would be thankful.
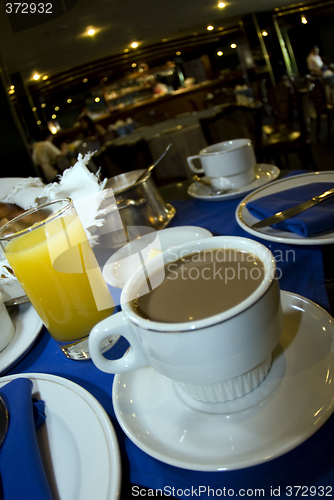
(57, 268)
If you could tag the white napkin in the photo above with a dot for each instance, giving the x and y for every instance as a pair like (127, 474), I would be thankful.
(78, 183)
(21, 191)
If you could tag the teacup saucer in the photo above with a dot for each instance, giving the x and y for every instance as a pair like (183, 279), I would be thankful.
(158, 422)
(127, 259)
(263, 175)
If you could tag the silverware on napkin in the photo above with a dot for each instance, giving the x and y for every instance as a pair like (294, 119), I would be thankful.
(291, 212)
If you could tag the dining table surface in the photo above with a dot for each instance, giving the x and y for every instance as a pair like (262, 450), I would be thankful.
(307, 469)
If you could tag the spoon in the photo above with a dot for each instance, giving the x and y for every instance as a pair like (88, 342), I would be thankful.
(151, 167)
(214, 192)
(4, 418)
(17, 301)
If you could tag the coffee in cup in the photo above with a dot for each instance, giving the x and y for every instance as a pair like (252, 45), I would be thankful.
(229, 164)
(201, 284)
(215, 351)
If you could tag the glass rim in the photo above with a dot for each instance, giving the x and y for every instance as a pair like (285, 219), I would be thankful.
(69, 203)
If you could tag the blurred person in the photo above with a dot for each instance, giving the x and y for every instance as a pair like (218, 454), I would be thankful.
(47, 157)
(317, 67)
(158, 88)
(91, 131)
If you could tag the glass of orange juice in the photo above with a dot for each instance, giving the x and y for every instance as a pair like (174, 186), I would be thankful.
(49, 252)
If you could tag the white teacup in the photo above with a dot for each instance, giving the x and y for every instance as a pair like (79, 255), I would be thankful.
(215, 359)
(229, 164)
(7, 329)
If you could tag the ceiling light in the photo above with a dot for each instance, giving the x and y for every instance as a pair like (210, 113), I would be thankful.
(210, 28)
(85, 80)
(303, 19)
(69, 100)
(57, 108)
(233, 45)
(126, 50)
(54, 117)
(43, 105)
(34, 109)
(91, 32)
(178, 53)
(39, 122)
(36, 76)
(220, 53)
(134, 45)
(12, 87)
(11, 91)
(45, 77)
(97, 99)
(221, 5)
(133, 65)
(264, 33)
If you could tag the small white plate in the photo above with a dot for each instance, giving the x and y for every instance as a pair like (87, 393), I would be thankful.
(127, 259)
(245, 219)
(77, 443)
(263, 174)
(27, 328)
(159, 423)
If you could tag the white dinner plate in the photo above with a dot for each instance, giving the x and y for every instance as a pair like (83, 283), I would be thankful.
(127, 259)
(245, 219)
(263, 174)
(77, 442)
(158, 422)
(27, 328)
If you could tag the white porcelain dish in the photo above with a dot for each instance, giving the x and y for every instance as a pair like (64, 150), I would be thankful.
(267, 425)
(27, 325)
(127, 259)
(245, 219)
(263, 175)
(76, 422)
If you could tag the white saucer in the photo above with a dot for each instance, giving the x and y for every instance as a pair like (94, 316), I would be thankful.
(127, 259)
(158, 422)
(77, 443)
(264, 174)
(27, 328)
(245, 219)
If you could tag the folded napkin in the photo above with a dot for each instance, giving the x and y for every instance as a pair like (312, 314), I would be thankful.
(21, 468)
(77, 182)
(314, 220)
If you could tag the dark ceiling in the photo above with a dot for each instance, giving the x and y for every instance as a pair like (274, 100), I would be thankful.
(60, 43)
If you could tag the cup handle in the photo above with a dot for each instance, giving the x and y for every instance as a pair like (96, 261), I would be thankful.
(193, 168)
(132, 359)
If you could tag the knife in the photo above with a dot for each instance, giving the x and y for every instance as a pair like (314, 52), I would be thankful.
(291, 212)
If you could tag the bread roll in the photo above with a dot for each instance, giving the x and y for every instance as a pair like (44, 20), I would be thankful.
(9, 211)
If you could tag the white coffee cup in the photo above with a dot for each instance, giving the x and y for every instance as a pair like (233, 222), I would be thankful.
(214, 359)
(229, 164)
(7, 329)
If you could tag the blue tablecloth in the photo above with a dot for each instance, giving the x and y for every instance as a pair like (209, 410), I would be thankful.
(311, 464)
